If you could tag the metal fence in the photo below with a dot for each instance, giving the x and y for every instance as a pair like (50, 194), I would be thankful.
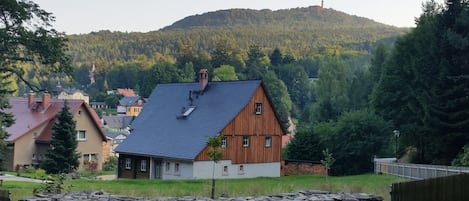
(417, 171)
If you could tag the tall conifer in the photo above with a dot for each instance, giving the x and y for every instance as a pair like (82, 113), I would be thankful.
(62, 156)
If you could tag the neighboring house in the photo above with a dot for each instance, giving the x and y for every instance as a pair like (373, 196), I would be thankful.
(291, 133)
(99, 105)
(117, 129)
(31, 134)
(130, 106)
(74, 94)
(117, 123)
(116, 137)
(168, 139)
(126, 92)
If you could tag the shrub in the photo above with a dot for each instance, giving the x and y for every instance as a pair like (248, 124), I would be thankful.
(91, 166)
(54, 185)
(40, 173)
(110, 164)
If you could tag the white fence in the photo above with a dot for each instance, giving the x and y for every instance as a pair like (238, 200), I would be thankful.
(417, 171)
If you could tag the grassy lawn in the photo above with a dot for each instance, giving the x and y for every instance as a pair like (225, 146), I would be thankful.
(367, 183)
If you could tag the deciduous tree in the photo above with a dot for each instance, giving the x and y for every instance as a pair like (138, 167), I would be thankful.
(215, 154)
(26, 38)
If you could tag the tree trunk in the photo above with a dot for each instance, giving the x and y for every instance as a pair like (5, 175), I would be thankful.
(213, 188)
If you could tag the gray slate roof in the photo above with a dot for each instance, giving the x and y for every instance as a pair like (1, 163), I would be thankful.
(128, 100)
(117, 121)
(158, 132)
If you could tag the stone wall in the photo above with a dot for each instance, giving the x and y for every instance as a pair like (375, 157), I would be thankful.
(302, 195)
(301, 167)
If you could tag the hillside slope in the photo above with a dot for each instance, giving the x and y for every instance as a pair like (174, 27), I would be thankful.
(302, 32)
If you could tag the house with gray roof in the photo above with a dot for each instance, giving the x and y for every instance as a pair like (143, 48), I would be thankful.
(130, 106)
(168, 139)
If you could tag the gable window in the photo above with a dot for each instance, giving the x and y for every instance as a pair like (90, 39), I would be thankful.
(128, 164)
(143, 165)
(81, 135)
(258, 108)
(268, 141)
(224, 141)
(245, 141)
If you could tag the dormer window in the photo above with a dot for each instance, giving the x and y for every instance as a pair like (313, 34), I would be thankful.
(258, 108)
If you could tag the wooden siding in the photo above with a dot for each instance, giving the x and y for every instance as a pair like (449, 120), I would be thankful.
(257, 127)
(134, 172)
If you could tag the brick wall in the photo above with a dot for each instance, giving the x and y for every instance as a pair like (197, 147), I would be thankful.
(301, 167)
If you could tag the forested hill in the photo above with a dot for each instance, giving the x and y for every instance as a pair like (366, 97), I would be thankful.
(301, 32)
(290, 18)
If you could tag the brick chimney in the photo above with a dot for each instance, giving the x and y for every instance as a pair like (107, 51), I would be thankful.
(30, 99)
(203, 79)
(45, 100)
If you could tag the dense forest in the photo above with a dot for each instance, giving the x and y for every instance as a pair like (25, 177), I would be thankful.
(300, 32)
(303, 35)
(347, 81)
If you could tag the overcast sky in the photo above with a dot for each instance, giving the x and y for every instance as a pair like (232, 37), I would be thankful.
(84, 16)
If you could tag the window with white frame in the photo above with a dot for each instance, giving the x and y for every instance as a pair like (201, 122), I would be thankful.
(268, 141)
(81, 135)
(224, 141)
(245, 141)
(128, 164)
(258, 108)
(90, 157)
(143, 165)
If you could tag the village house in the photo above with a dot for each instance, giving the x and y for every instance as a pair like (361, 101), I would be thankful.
(74, 94)
(130, 106)
(31, 134)
(168, 139)
(116, 128)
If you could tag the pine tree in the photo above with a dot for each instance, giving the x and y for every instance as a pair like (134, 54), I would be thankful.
(62, 157)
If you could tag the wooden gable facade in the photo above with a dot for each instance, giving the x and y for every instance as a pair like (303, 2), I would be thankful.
(260, 128)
